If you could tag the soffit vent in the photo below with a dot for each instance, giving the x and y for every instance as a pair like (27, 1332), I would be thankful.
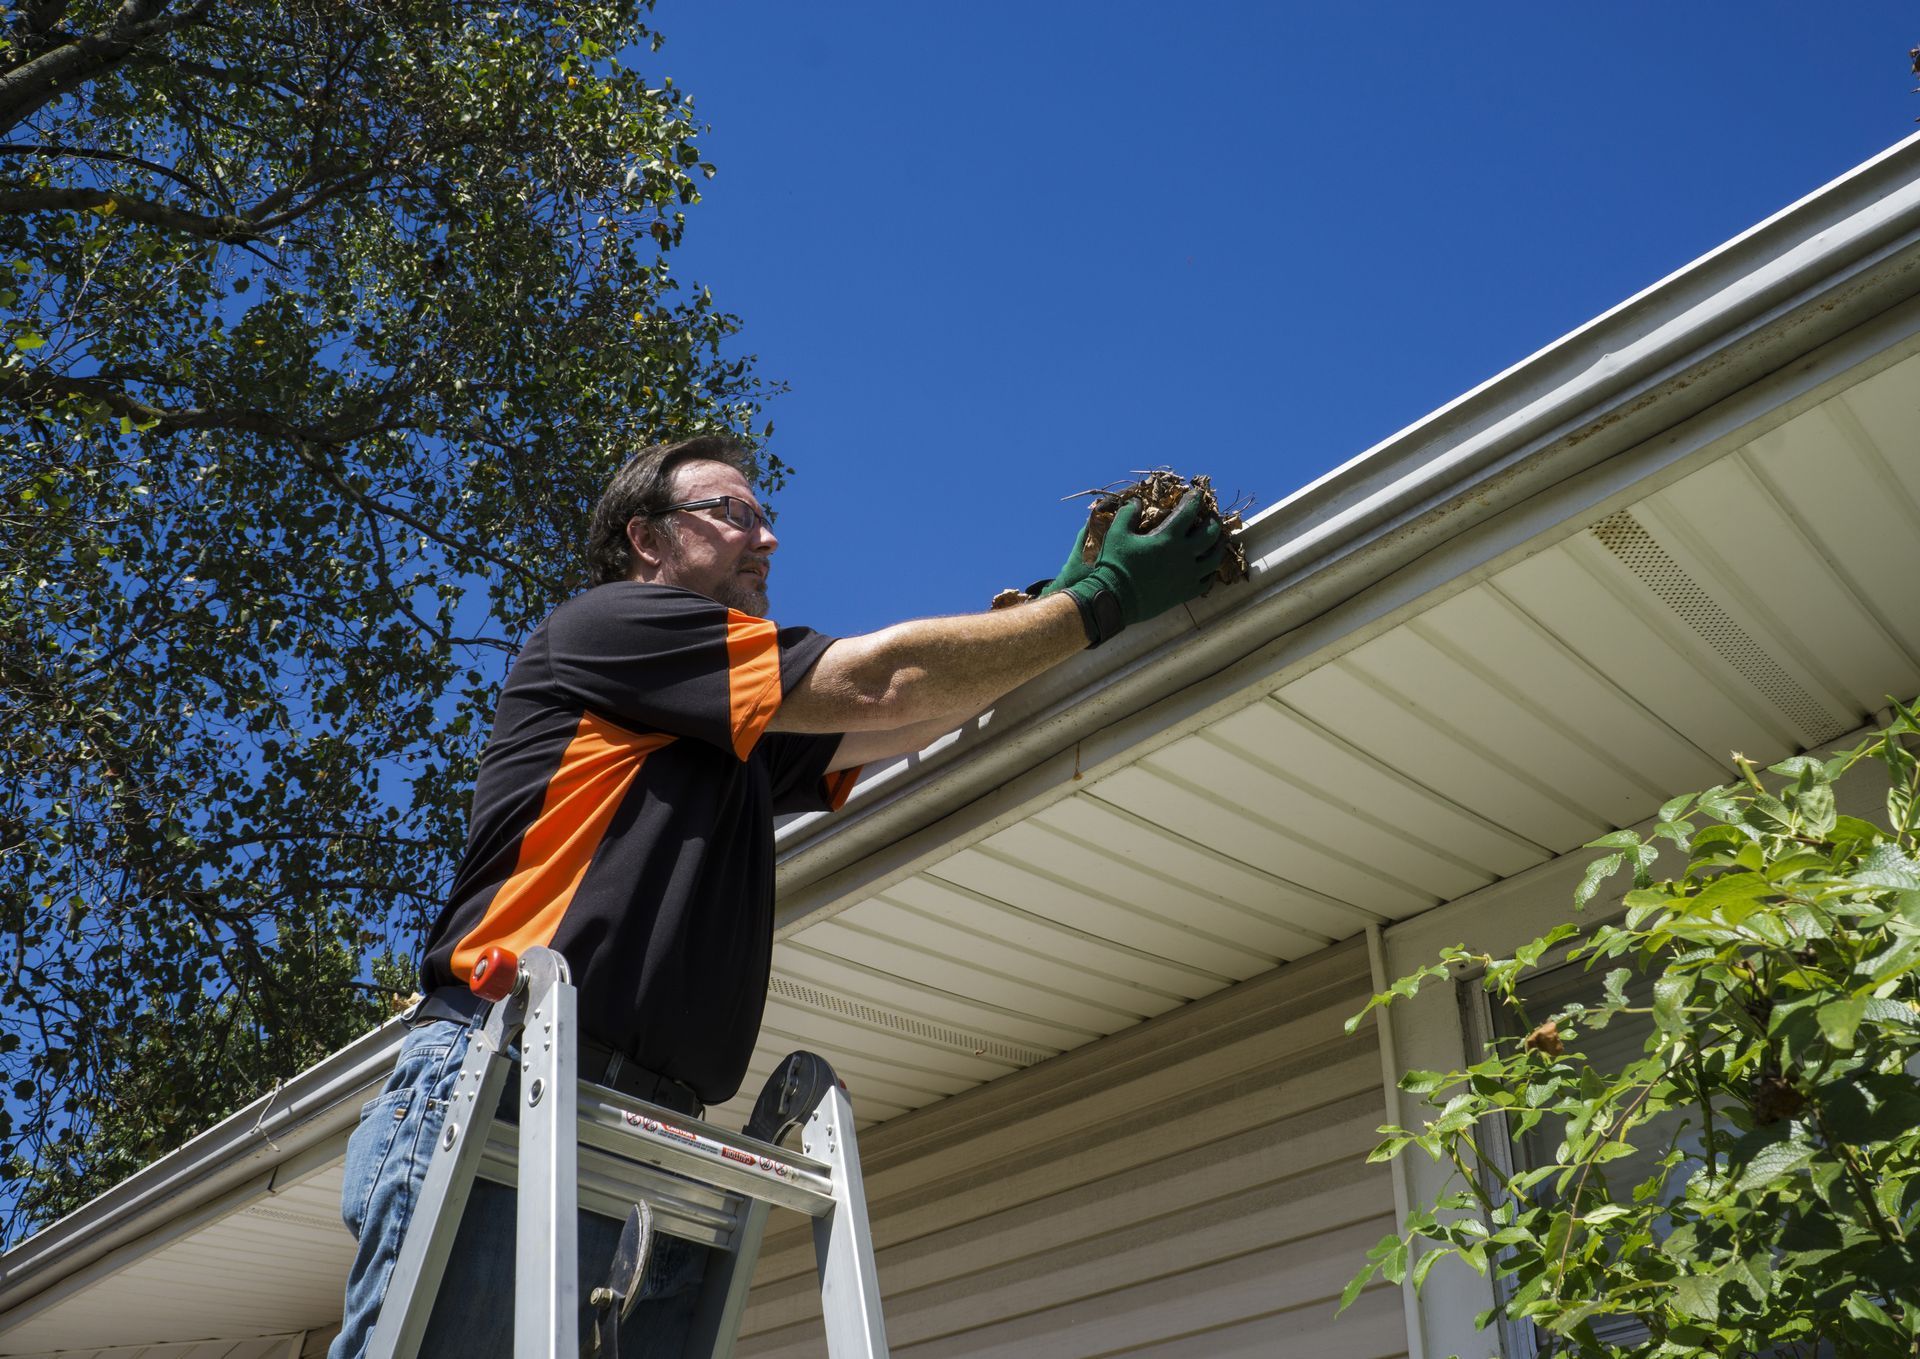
(1628, 539)
(974, 1046)
(290, 1215)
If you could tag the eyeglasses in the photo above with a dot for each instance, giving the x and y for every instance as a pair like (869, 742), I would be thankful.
(742, 514)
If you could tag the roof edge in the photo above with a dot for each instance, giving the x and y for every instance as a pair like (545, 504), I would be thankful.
(1814, 270)
(294, 1116)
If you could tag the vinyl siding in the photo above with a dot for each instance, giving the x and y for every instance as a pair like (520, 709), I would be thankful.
(1194, 1186)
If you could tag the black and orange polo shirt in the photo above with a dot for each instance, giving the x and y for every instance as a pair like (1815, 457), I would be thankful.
(624, 816)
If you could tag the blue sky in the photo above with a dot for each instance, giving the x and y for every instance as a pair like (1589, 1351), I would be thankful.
(1001, 253)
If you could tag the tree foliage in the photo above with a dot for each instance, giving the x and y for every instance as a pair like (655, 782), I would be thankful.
(1777, 1098)
(322, 323)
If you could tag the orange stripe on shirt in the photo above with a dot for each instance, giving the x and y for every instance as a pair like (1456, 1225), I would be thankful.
(595, 772)
(839, 784)
(753, 678)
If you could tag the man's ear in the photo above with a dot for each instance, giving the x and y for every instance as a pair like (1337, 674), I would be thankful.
(646, 541)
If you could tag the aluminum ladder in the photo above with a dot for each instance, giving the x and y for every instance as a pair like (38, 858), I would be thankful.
(578, 1144)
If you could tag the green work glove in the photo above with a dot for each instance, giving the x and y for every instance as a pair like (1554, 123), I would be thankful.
(1141, 575)
(1076, 566)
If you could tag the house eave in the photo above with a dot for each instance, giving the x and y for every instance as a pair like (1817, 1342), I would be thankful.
(234, 1161)
(1825, 266)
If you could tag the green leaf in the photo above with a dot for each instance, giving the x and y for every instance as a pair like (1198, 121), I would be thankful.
(1671, 809)
(1393, 1266)
(1355, 1286)
(1669, 995)
(1733, 887)
(1885, 866)
(1422, 1082)
(1852, 830)
(1597, 872)
(1839, 1019)
(1424, 1266)
(1866, 1309)
(1771, 1165)
(1697, 1296)
(1388, 1149)
(29, 340)
(1816, 807)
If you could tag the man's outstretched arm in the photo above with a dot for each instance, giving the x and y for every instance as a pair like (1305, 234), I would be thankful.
(891, 691)
(913, 681)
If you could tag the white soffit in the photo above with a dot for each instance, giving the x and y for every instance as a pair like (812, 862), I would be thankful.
(1762, 602)
(250, 1285)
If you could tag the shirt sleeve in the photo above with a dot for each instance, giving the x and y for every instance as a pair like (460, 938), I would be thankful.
(801, 783)
(657, 658)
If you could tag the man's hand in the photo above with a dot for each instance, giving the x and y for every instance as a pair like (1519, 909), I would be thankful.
(1076, 566)
(1138, 576)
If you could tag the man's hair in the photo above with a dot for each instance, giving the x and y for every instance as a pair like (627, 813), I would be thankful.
(644, 486)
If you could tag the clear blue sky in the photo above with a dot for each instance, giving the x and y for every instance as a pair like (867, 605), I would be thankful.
(1004, 252)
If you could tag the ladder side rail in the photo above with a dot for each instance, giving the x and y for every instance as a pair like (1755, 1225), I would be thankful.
(843, 1240)
(422, 1260)
(546, 1310)
(723, 1292)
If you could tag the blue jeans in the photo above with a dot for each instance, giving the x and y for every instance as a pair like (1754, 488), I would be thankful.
(472, 1316)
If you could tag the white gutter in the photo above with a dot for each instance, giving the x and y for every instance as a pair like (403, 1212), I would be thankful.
(1655, 365)
(235, 1159)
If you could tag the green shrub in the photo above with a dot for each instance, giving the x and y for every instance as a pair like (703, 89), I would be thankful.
(1776, 1098)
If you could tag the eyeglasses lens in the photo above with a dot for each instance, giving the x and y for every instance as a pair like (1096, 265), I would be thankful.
(742, 515)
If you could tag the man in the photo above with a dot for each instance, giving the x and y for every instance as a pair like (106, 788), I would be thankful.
(647, 735)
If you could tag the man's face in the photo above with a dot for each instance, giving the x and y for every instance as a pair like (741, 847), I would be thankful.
(702, 552)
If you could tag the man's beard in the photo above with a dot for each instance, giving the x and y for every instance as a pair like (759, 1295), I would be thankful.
(743, 594)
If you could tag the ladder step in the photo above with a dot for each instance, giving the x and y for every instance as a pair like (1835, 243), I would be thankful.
(632, 1131)
(609, 1185)
(629, 1127)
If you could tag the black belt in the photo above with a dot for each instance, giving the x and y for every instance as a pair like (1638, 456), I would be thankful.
(603, 1066)
(449, 1002)
(598, 1063)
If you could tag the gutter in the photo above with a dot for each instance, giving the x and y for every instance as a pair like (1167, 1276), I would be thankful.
(1822, 267)
(238, 1159)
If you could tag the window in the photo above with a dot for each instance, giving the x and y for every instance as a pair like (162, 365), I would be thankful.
(1547, 993)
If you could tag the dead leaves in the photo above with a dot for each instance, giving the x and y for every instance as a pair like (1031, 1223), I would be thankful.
(1159, 493)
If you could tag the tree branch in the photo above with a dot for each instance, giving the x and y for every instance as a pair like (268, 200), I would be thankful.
(53, 149)
(35, 387)
(28, 88)
(224, 227)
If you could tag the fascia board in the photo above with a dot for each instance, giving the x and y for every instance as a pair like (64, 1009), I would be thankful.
(1819, 268)
(317, 1105)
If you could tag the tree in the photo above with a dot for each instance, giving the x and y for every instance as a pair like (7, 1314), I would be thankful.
(322, 322)
(1778, 1096)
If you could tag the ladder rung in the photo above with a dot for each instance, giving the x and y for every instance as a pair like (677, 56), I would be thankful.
(632, 1128)
(610, 1185)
